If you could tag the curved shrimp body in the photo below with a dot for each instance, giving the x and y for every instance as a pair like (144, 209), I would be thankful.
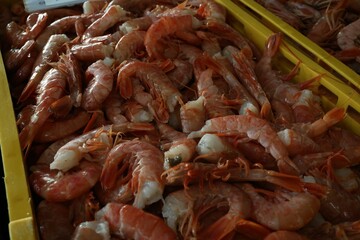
(192, 115)
(348, 37)
(113, 108)
(183, 210)
(140, 24)
(99, 87)
(159, 85)
(287, 211)
(129, 45)
(18, 37)
(253, 128)
(181, 148)
(145, 163)
(111, 16)
(48, 54)
(51, 88)
(92, 52)
(129, 222)
(56, 186)
(92, 230)
(284, 235)
(164, 27)
(16, 57)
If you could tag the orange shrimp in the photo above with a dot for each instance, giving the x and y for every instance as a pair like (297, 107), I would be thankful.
(162, 28)
(192, 115)
(92, 230)
(55, 130)
(142, 179)
(254, 128)
(41, 66)
(129, 45)
(182, 74)
(129, 222)
(211, 9)
(135, 112)
(113, 108)
(90, 7)
(285, 235)
(17, 36)
(285, 211)
(55, 186)
(51, 88)
(186, 210)
(109, 18)
(157, 83)
(348, 38)
(99, 86)
(71, 153)
(139, 24)
(92, 52)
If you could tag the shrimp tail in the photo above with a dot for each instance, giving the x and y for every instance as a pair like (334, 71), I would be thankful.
(287, 181)
(252, 229)
(219, 229)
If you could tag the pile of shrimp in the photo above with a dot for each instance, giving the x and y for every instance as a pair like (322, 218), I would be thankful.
(332, 24)
(158, 120)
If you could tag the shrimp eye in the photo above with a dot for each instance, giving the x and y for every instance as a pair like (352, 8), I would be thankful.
(174, 161)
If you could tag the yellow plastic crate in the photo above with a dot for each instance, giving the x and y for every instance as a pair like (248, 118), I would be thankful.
(22, 219)
(307, 46)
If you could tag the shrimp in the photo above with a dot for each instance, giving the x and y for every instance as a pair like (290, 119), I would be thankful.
(113, 109)
(246, 73)
(16, 57)
(41, 66)
(111, 16)
(181, 148)
(92, 230)
(71, 67)
(71, 153)
(213, 105)
(211, 9)
(286, 211)
(129, 45)
(99, 87)
(55, 130)
(135, 112)
(164, 27)
(329, 24)
(145, 163)
(186, 210)
(284, 235)
(254, 128)
(182, 74)
(348, 37)
(54, 220)
(17, 37)
(23, 73)
(159, 85)
(51, 88)
(136, 24)
(129, 222)
(60, 26)
(90, 7)
(192, 115)
(56, 186)
(92, 51)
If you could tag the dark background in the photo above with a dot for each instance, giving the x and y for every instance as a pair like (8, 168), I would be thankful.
(4, 216)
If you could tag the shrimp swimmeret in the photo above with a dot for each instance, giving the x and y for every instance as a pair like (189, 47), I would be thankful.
(254, 128)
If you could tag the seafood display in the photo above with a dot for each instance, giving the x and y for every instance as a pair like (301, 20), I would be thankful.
(159, 120)
(332, 24)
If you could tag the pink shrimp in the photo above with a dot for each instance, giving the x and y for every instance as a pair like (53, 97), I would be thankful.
(71, 153)
(129, 222)
(136, 24)
(192, 115)
(41, 66)
(16, 57)
(181, 148)
(254, 128)
(129, 45)
(53, 185)
(211, 9)
(92, 52)
(111, 16)
(185, 210)
(142, 179)
(18, 37)
(158, 84)
(60, 26)
(246, 73)
(90, 7)
(164, 27)
(286, 211)
(92, 230)
(51, 88)
(99, 87)
(182, 74)
(112, 107)
(347, 38)
(135, 112)
(55, 130)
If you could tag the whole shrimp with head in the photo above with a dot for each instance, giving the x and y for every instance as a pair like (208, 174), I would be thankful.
(135, 168)
(348, 39)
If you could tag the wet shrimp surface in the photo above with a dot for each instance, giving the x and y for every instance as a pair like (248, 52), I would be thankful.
(158, 120)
